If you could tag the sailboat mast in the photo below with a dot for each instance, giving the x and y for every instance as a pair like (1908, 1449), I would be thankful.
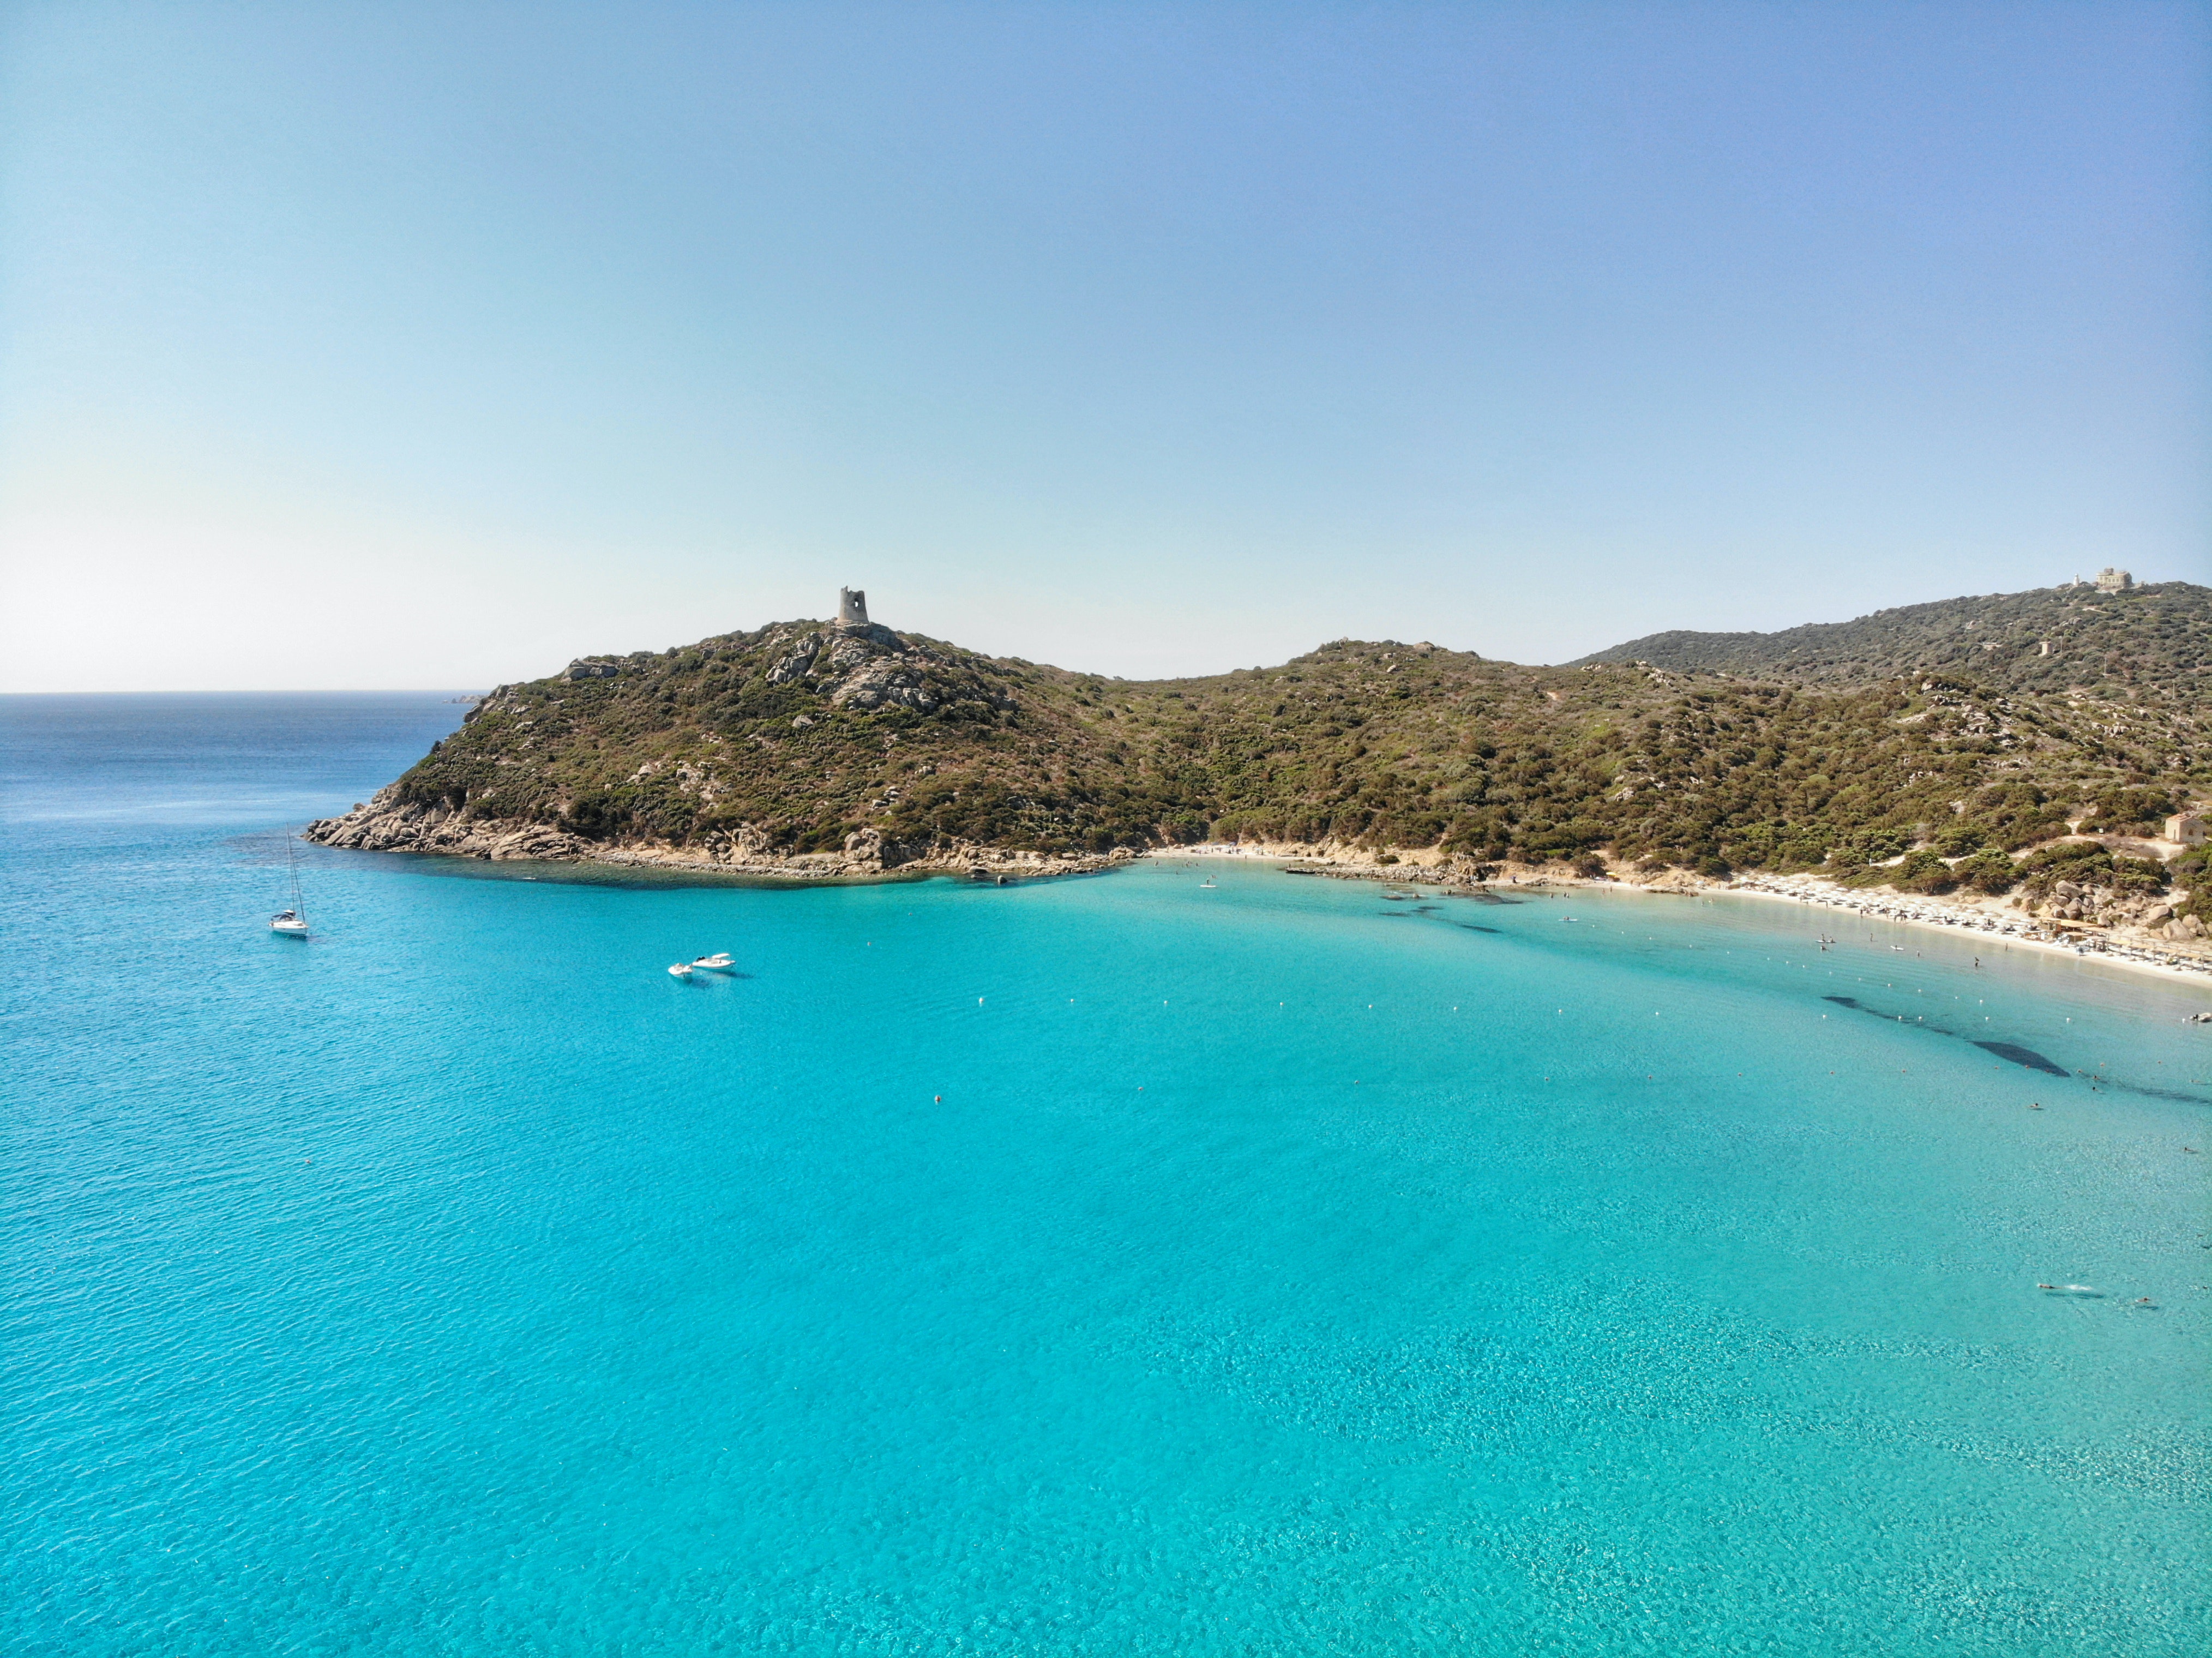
(292, 864)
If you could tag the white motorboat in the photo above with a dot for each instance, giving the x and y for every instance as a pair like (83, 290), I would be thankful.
(291, 923)
(680, 970)
(720, 961)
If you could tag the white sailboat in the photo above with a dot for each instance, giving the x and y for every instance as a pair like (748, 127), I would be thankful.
(291, 923)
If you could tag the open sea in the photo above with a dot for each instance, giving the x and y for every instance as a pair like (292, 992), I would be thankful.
(1106, 1266)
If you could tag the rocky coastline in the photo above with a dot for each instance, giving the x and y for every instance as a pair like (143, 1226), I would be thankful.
(386, 823)
(389, 824)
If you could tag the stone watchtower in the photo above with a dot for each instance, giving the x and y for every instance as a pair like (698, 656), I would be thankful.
(852, 608)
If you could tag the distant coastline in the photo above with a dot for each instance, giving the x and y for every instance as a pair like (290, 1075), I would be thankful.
(385, 826)
(2048, 751)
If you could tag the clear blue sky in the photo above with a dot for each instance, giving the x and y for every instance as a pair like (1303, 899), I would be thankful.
(392, 344)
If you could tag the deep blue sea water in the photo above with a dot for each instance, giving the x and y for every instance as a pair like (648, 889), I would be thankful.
(1111, 1266)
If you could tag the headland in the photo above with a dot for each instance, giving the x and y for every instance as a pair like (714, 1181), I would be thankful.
(2048, 770)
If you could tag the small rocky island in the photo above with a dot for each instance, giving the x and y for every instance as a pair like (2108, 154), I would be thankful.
(2039, 743)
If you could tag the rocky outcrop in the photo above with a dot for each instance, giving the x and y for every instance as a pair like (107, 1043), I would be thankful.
(869, 667)
(866, 666)
(796, 663)
(389, 824)
(1449, 872)
(2100, 904)
(878, 683)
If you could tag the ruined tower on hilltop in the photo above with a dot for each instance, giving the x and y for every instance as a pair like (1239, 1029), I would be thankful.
(852, 608)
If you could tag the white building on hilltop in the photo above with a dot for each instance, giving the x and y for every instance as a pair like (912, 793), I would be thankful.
(2109, 580)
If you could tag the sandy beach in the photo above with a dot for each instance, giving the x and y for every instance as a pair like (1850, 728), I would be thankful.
(1984, 918)
(1994, 918)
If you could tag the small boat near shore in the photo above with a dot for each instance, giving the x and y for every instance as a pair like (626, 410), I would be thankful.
(720, 961)
(291, 923)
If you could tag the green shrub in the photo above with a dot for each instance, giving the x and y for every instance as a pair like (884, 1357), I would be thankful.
(2193, 870)
(1872, 847)
(2016, 814)
(1924, 871)
(2138, 878)
(2132, 811)
(1960, 839)
(1988, 870)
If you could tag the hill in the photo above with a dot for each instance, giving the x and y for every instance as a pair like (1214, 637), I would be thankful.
(860, 748)
(2155, 639)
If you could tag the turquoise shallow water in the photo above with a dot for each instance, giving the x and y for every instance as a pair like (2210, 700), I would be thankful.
(1110, 1267)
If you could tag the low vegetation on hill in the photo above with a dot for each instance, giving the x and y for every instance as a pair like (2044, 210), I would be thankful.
(2156, 641)
(798, 736)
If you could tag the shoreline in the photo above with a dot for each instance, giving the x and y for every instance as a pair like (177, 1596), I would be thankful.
(380, 826)
(385, 825)
(1910, 910)
(1987, 918)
